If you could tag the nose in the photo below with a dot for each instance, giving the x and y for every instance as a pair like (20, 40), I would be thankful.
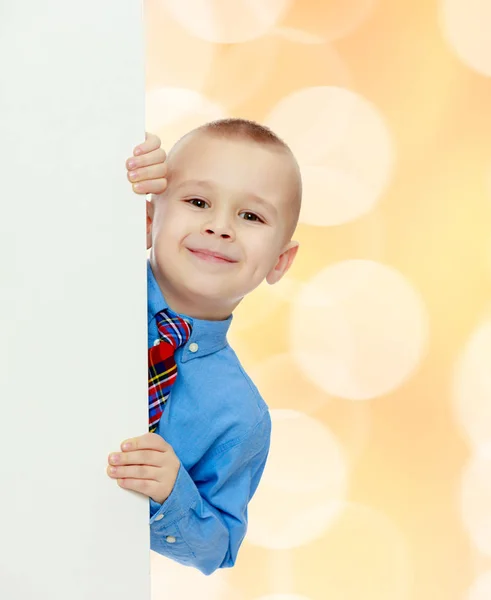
(220, 227)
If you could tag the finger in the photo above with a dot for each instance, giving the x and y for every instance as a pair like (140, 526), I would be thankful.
(155, 186)
(137, 457)
(134, 472)
(147, 173)
(152, 142)
(152, 158)
(148, 441)
(147, 487)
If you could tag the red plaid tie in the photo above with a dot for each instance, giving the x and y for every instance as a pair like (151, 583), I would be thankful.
(162, 369)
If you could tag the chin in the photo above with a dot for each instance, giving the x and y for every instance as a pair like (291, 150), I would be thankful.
(208, 295)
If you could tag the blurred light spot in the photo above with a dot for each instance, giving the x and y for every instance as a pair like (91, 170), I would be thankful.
(174, 57)
(364, 237)
(473, 387)
(304, 482)
(284, 386)
(172, 112)
(344, 150)
(289, 470)
(239, 71)
(227, 21)
(363, 556)
(173, 580)
(481, 588)
(358, 329)
(476, 501)
(467, 25)
(325, 68)
(328, 20)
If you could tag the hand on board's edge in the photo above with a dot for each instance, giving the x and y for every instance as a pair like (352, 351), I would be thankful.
(146, 464)
(147, 169)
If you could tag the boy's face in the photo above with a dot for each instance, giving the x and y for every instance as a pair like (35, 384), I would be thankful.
(223, 224)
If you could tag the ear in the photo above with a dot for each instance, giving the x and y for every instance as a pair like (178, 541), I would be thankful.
(150, 213)
(285, 261)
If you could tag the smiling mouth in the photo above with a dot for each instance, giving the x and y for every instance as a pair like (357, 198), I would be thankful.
(214, 257)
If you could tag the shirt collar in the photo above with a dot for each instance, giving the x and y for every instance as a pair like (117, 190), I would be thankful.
(208, 336)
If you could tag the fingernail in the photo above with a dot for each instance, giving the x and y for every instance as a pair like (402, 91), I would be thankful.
(112, 470)
(138, 151)
(131, 163)
(132, 174)
(126, 446)
(138, 187)
(114, 458)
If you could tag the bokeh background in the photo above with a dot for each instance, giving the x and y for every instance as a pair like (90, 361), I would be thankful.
(374, 353)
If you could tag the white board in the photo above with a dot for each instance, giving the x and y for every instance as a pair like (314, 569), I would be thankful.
(72, 299)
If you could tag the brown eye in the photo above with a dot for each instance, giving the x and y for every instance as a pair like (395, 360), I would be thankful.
(248, 216)
(198, 202)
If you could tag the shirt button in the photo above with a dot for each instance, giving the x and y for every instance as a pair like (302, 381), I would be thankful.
(171, 539)
(159, 518)
(156, 343)
(193, 347)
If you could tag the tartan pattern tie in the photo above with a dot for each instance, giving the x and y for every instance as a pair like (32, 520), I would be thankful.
(174, 332)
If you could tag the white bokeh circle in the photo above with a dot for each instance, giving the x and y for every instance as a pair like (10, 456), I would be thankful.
(344, 149)
(227, 21)
(365, 237)
(303, 486)
(172, 112)
(466, 24)
(481, 588)
(476, 501)
(358, 329)
(472, 387)
(281, 384)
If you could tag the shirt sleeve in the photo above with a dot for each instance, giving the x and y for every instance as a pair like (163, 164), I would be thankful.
(204, 520)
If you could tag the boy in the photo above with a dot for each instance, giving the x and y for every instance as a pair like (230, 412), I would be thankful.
(223, 224)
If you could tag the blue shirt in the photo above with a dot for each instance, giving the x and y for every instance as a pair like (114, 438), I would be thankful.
(220, 428)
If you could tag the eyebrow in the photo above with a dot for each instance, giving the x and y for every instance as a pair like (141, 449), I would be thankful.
(195, 182)
(204, 183)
